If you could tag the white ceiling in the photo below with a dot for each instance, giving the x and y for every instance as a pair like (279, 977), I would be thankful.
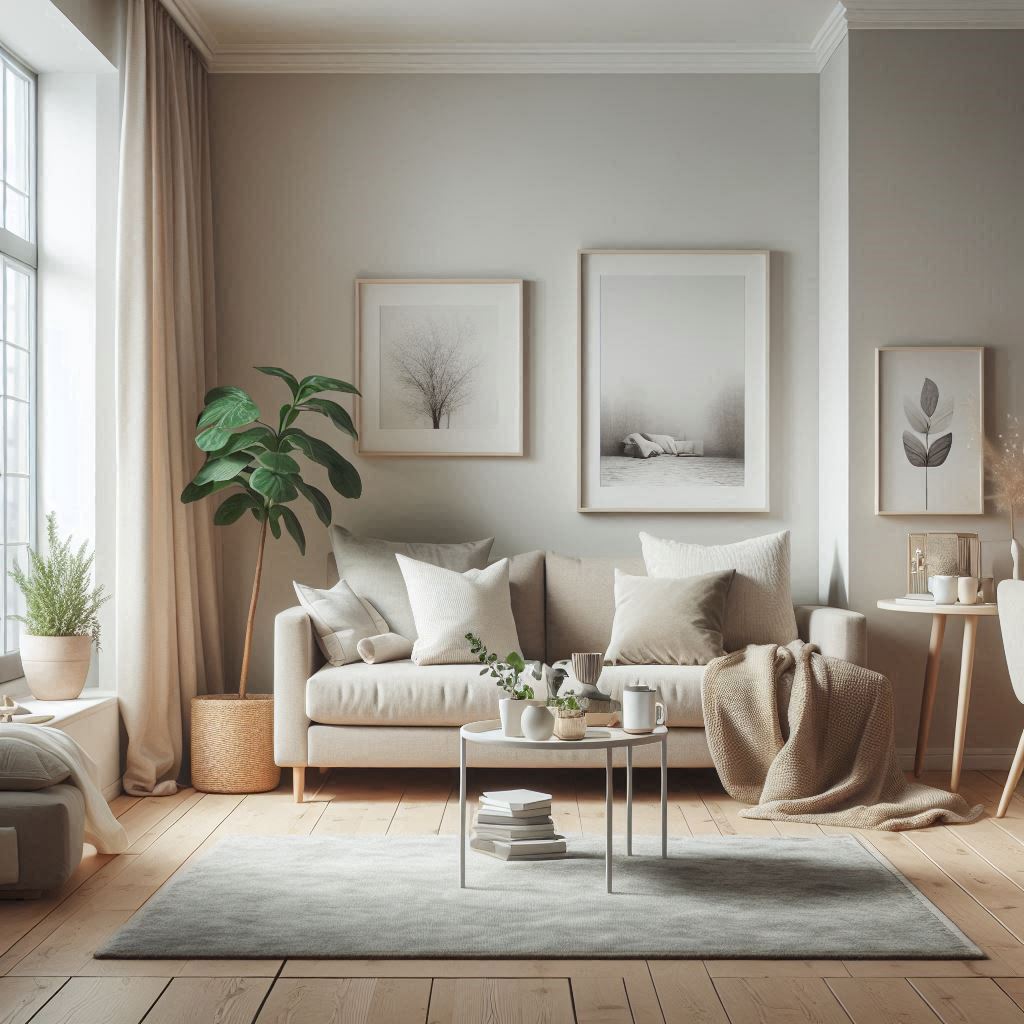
(570, 36)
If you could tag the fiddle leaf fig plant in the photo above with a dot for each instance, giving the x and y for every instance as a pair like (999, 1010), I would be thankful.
(258, 463)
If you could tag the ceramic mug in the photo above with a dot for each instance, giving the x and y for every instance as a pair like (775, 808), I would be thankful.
(943, 589)
(641, 711)
(967, 589)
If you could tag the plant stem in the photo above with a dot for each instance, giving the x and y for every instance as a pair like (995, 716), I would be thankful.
(250, 621)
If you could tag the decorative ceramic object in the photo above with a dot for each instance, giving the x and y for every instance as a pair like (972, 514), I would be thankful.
(967, 589)
(943, 589)
(538, 723)
(511, 713)
(570, 727)
(641, 711)
(587, 667)
(56, 667)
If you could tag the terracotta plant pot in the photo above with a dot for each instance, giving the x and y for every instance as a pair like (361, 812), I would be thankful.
(233, 744)
(56, 667)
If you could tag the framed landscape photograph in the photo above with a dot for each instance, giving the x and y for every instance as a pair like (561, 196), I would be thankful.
(929, 416)
(439, 364)
(673, 381)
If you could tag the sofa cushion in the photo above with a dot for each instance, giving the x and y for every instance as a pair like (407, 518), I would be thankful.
(526, 582)
(581, 602)
(401, 693)
(24, 766)
(341, 618)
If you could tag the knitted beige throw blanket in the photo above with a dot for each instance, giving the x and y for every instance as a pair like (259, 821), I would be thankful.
(810, 738)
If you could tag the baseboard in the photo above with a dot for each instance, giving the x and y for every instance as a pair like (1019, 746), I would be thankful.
(114, 789)
(975, 759)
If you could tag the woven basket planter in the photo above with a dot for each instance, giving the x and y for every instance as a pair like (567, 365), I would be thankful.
(574, 728)
(233, 744)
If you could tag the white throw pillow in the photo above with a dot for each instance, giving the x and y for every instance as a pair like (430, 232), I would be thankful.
(446, 605)
(341, 618)
(759, 609)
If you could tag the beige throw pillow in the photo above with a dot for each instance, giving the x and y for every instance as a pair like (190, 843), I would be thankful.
(668, 622)
(375, 650)
(447, 605)
(24, 766)
(760, 605)
(341, 618)
(369, 566)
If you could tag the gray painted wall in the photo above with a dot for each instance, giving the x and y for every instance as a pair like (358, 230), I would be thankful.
(936, 256)
(320, 179)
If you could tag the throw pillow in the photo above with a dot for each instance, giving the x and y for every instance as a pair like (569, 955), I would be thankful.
(668, 621)
(447, 605)
(341, 618)
(370, 568)
(760, 605)
(375, 650)
(25, 767)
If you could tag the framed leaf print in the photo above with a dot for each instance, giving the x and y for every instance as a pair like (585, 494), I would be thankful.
(929, 416)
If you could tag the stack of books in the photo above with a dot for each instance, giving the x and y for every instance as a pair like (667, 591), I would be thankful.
(515, 824)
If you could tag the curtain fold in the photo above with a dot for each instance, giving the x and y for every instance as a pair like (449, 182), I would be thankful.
(168, 636)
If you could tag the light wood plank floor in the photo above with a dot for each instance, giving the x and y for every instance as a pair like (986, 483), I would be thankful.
(47, 972)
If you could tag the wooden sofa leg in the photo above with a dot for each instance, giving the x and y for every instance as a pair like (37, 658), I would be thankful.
(299, 782)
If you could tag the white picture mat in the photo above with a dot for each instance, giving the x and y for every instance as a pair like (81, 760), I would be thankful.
(501, 378)
(753, 494)
(956, 487)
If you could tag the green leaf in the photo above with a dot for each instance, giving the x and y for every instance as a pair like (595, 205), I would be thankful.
(286, 417)
(294, 527)
(275, 521)
(275, 486)
(278, 462)
(222, 468)
(254, 437)
(194, 491)
(316, 383)
(233, 508)
(230, 408)
(213, 438)
(276, 371)
(516, 661)
(334, 412)
(342, 474)
(320, 502)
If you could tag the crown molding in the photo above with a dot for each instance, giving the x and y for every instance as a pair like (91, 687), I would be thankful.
(829, 36)
(934, 14)
(502, 59)
(192, 23)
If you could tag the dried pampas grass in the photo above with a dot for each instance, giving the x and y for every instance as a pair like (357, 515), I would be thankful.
(1004, 463)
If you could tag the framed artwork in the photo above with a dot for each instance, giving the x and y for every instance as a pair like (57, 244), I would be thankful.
(439, 365)
(673, 381)
(929, 416)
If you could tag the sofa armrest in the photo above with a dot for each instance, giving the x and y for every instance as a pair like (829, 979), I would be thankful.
(296, 658)
(837, 632)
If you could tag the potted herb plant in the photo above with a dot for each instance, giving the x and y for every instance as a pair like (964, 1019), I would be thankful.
(61, 617)
(570, 716)
(233, 734)
(507, 675)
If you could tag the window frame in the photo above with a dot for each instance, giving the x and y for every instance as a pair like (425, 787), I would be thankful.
(23, 255)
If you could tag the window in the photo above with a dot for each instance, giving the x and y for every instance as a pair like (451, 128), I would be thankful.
(17, 335)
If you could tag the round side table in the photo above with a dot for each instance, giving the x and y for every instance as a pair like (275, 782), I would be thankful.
(971, 614)
(601, 739)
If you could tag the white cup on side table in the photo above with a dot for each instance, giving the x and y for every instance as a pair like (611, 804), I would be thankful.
(944, 589)
(641, 710)
(967, 589)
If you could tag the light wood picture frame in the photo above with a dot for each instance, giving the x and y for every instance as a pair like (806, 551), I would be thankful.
(673, 345)
(439, 367)
(929, 430)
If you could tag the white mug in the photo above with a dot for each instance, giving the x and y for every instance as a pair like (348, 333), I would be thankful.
(641, 712)
(944, 589)
(967, 589)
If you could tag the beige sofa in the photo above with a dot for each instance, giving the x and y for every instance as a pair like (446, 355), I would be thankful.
(399, 714)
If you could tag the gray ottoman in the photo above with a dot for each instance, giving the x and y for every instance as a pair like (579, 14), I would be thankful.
(46, 844)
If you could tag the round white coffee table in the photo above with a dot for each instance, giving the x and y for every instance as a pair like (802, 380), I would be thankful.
(596, 739)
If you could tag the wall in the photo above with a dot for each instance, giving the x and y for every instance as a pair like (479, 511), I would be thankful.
(100, 21)
(936, 251)
(319, 179)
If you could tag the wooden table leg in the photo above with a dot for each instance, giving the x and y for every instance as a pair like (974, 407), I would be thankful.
(931, 681)
(964, 700)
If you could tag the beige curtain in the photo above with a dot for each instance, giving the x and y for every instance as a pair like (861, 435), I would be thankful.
(168, 643)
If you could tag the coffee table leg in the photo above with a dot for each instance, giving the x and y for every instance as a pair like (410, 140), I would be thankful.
(664, 796)
(629, 801)
(608, 821)
(462, 812)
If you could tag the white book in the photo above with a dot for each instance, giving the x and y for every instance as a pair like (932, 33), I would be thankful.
(517, 799)
(503, 832)
(495, 848)
(506, 815)
(493, 818)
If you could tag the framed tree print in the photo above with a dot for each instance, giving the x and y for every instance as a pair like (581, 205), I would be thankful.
(929, 416)
(439, 365)
(673, 381)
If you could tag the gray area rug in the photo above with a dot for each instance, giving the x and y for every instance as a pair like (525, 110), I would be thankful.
(714, 897)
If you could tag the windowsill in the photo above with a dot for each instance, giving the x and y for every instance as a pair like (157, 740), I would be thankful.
(16, 689)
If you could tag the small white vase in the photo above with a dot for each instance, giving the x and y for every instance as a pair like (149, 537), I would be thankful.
(538, 723)
(56, 667)
(511, 713)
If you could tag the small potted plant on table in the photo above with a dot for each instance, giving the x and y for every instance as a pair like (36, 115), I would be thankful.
(508, 676)
(570, 717)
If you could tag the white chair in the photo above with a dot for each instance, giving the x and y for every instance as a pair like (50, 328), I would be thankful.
(1011, 623)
